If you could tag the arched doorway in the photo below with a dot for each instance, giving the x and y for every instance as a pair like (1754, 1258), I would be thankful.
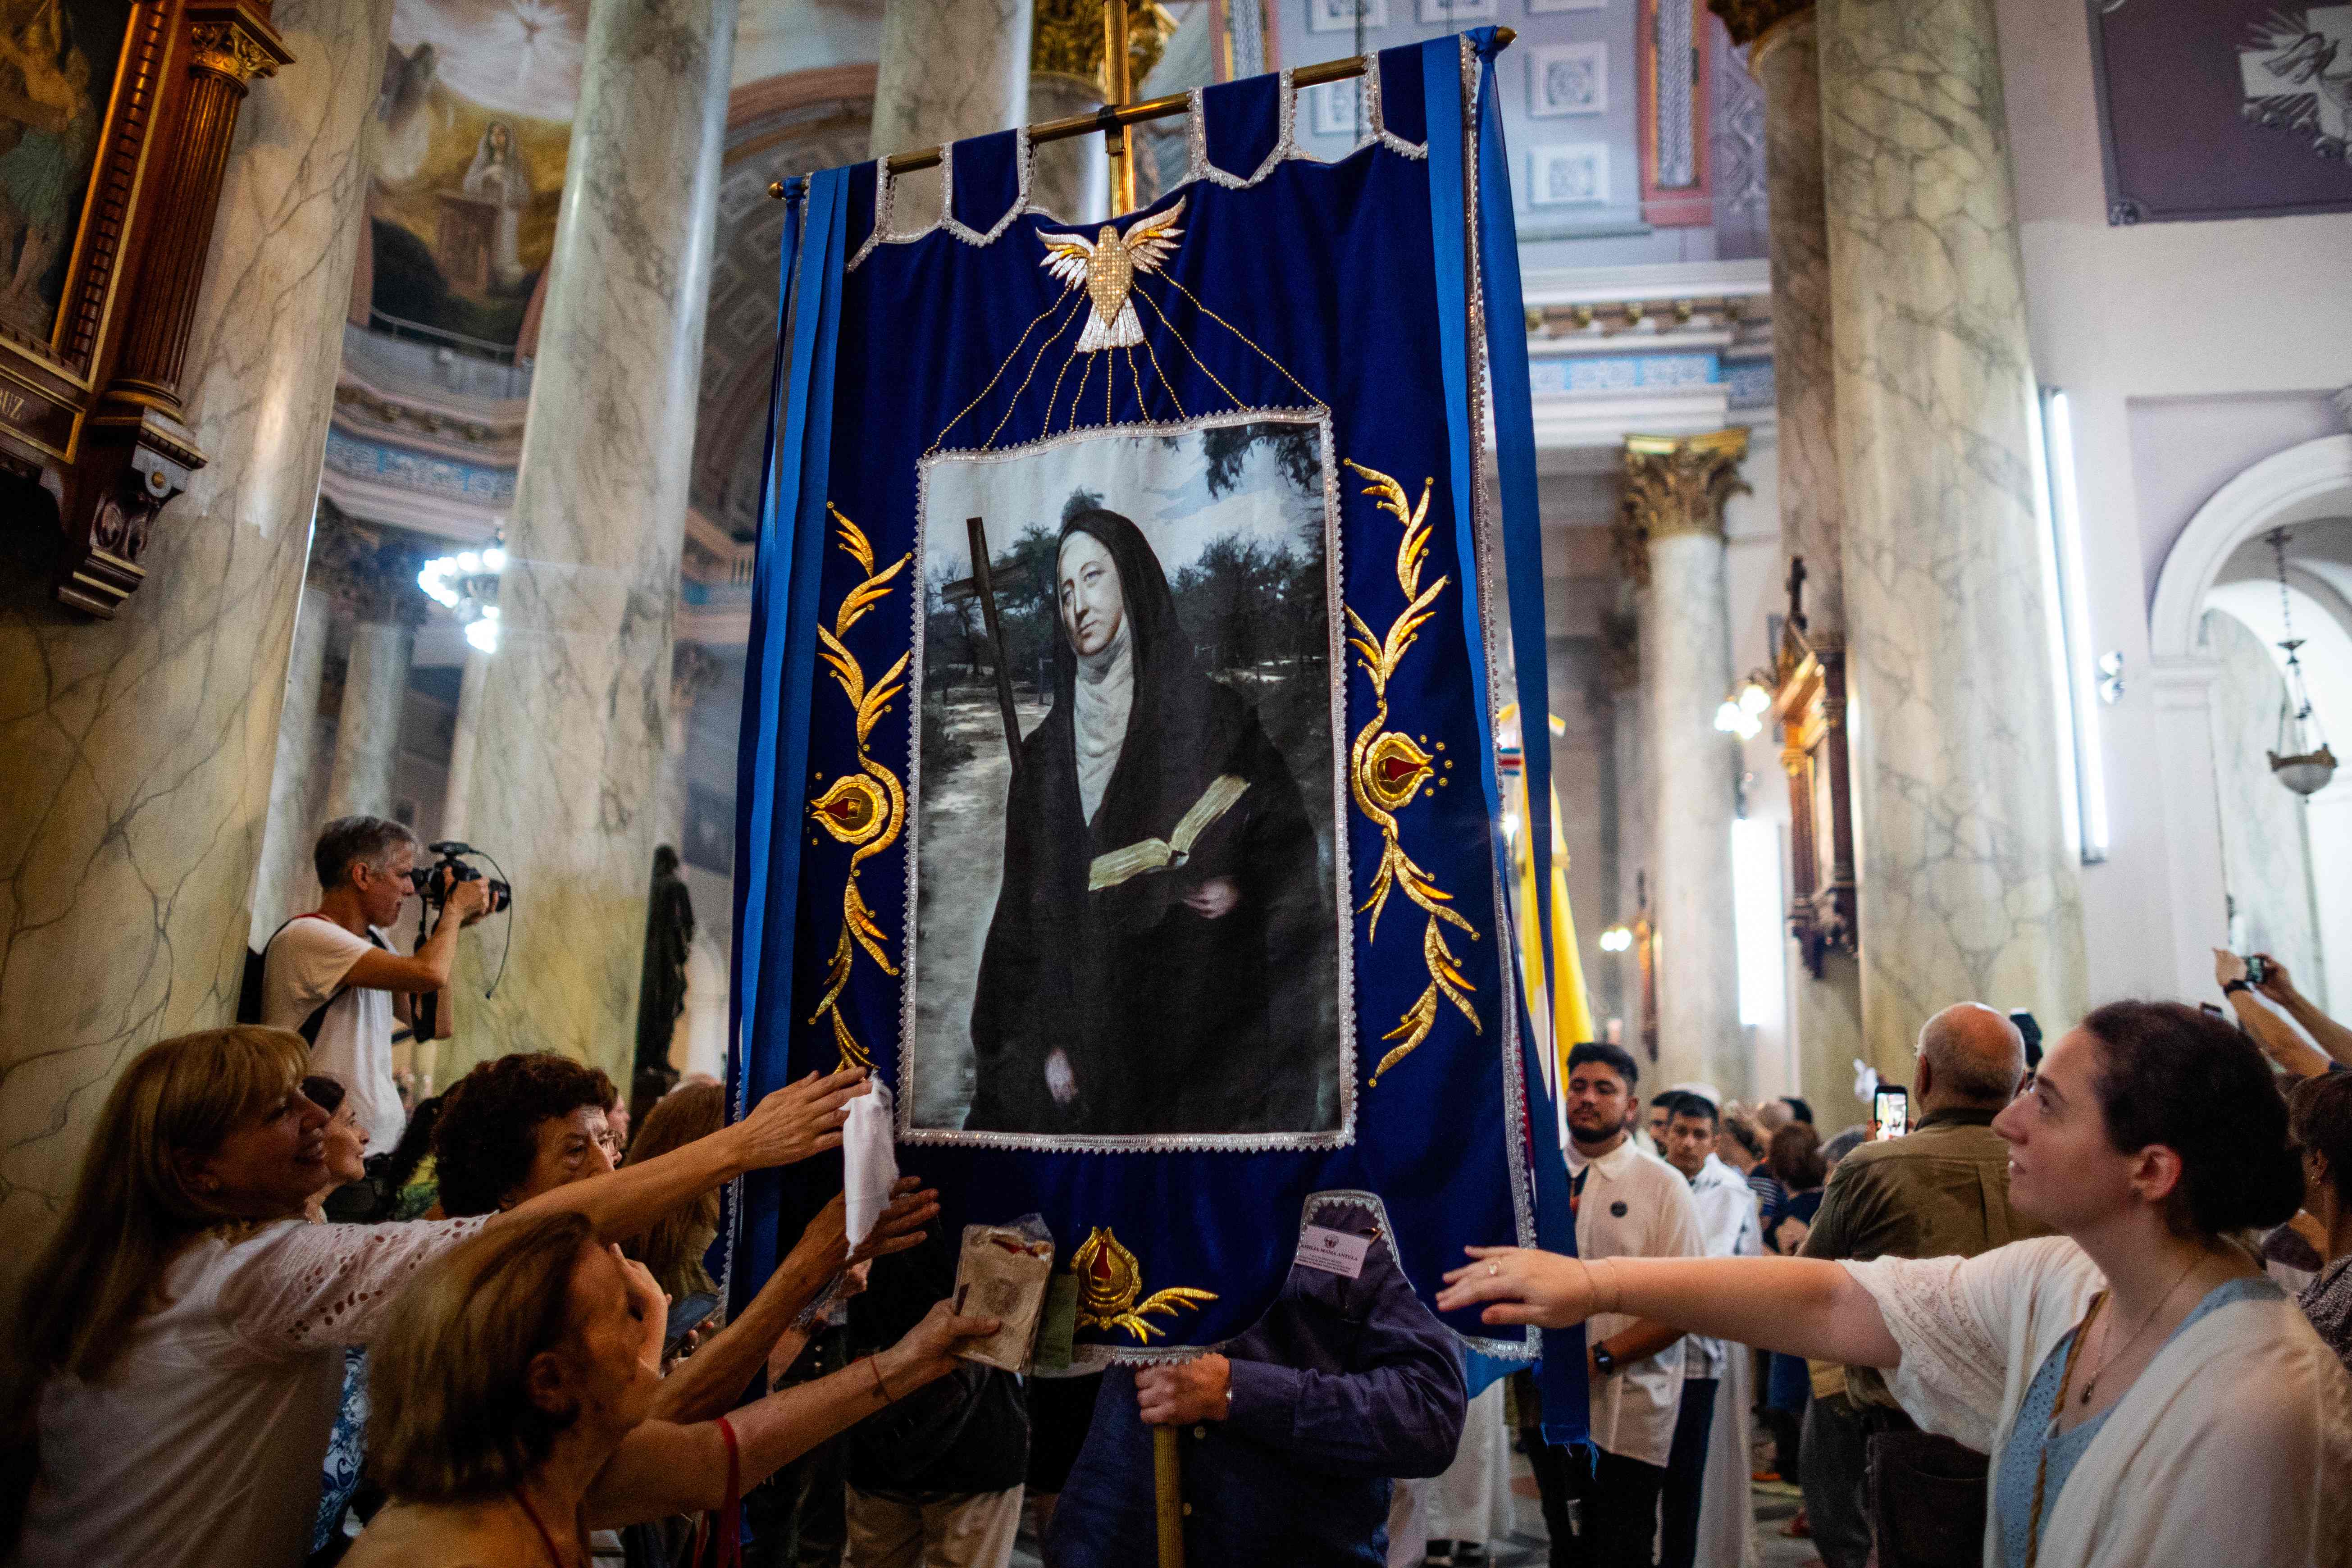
(2219, 825)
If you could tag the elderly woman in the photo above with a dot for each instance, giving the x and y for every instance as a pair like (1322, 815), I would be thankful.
(2149, 1399)
(184, 1329)
(520, 1127)
(513, 1385)
(1157, 960)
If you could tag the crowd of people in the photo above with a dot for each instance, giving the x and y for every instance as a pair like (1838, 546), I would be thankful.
(2091, 1309)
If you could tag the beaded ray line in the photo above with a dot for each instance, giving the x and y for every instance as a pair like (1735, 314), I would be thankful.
(992, 380)
(1044, 343)
(1239, 333)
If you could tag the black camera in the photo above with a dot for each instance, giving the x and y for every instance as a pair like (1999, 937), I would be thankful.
(444, 875)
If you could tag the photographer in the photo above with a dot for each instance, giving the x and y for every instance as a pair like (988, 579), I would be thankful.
(331, 974)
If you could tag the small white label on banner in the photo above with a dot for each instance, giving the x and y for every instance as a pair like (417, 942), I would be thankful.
(1333, 1251)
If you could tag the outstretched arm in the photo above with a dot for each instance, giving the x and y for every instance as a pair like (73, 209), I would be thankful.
(1796, 1305)
(662, 1468)
(708, 1383)
(795, 1122)
(2279, 987)
(2273, 1034)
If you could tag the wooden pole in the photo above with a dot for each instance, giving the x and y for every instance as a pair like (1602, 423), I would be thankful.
(977, 533)
(1119, 140)
(1166, 1475)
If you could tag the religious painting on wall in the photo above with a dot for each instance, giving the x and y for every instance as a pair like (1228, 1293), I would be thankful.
(58, 63)
(1130, 918)
(466, 152)
(2216, 109)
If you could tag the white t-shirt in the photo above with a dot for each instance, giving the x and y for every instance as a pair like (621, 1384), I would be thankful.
(205, 1442)
(305, 963)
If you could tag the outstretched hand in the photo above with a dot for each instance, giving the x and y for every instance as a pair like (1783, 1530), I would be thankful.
(928, 1350)
(798, 1119)
(902, 1225)
(1524, 1286)
(823, 1246)
(2276, 983)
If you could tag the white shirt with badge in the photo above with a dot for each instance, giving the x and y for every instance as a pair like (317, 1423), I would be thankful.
(1728, 1220)
(305, 964)
(1635, 1206)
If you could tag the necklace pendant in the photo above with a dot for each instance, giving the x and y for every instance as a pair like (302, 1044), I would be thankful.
(2087, 1390)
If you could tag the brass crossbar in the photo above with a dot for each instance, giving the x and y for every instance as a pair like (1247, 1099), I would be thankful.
(1110, 117)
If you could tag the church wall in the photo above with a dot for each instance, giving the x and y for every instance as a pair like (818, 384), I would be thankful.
(2265, 846)
(2250, 309)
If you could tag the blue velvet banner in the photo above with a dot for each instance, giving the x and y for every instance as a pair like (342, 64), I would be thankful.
(1121, 633)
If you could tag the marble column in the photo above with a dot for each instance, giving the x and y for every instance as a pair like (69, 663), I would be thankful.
(457, 800)
(575, 694)
(1632, 794)
(1786, 60)
(949, 69)
(1969, 887)
(135, 754)
(285, 885)
(367, 730)
(1071, 179)
(1784, 57)
(694, 671)
(1671, 541)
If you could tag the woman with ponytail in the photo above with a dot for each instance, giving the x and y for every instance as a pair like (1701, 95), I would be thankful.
(2149, 1399)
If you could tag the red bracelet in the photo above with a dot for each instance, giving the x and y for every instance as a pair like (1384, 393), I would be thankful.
(874, 1365)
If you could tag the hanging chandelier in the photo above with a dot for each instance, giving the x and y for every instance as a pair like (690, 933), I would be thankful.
(467, 585)
(2303, 761)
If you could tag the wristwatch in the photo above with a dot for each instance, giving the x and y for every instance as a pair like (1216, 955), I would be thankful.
(1603, 1361)
(2231, 987)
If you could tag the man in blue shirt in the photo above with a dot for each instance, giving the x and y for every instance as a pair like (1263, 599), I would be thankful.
(1290, 1435)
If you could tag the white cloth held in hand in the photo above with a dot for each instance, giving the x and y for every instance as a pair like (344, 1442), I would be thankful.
(869, 1157)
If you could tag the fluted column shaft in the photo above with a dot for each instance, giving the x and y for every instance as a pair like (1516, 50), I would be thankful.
(572, 722)
(1969, 889)
(1673, 517)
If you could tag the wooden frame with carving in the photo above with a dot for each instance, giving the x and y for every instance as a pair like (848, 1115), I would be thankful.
(90, 407)
(1809, 707)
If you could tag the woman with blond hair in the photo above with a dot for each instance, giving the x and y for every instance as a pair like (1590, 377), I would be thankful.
(512, 1387)
(185, 1327)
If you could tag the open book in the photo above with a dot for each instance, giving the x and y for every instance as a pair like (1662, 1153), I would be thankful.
(1158, 854)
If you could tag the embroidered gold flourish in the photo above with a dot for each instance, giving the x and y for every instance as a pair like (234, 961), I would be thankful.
(1386, 769)
(1110, 1280)
(865, 809)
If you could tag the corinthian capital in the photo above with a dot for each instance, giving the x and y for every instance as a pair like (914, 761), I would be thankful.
(1675, 484)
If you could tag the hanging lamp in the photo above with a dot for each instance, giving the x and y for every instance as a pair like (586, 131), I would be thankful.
(2303, 761)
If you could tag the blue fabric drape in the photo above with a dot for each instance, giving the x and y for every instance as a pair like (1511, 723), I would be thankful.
(781, 656)
(1336, 292)
(1563, 1373)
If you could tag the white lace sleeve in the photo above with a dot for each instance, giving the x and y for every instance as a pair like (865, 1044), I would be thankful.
(305, 1286)
(1953, 1378)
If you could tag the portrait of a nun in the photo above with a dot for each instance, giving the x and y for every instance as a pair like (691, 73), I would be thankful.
(1159, 960)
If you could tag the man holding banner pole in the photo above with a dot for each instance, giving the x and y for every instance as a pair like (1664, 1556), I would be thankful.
(1290, 1436)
